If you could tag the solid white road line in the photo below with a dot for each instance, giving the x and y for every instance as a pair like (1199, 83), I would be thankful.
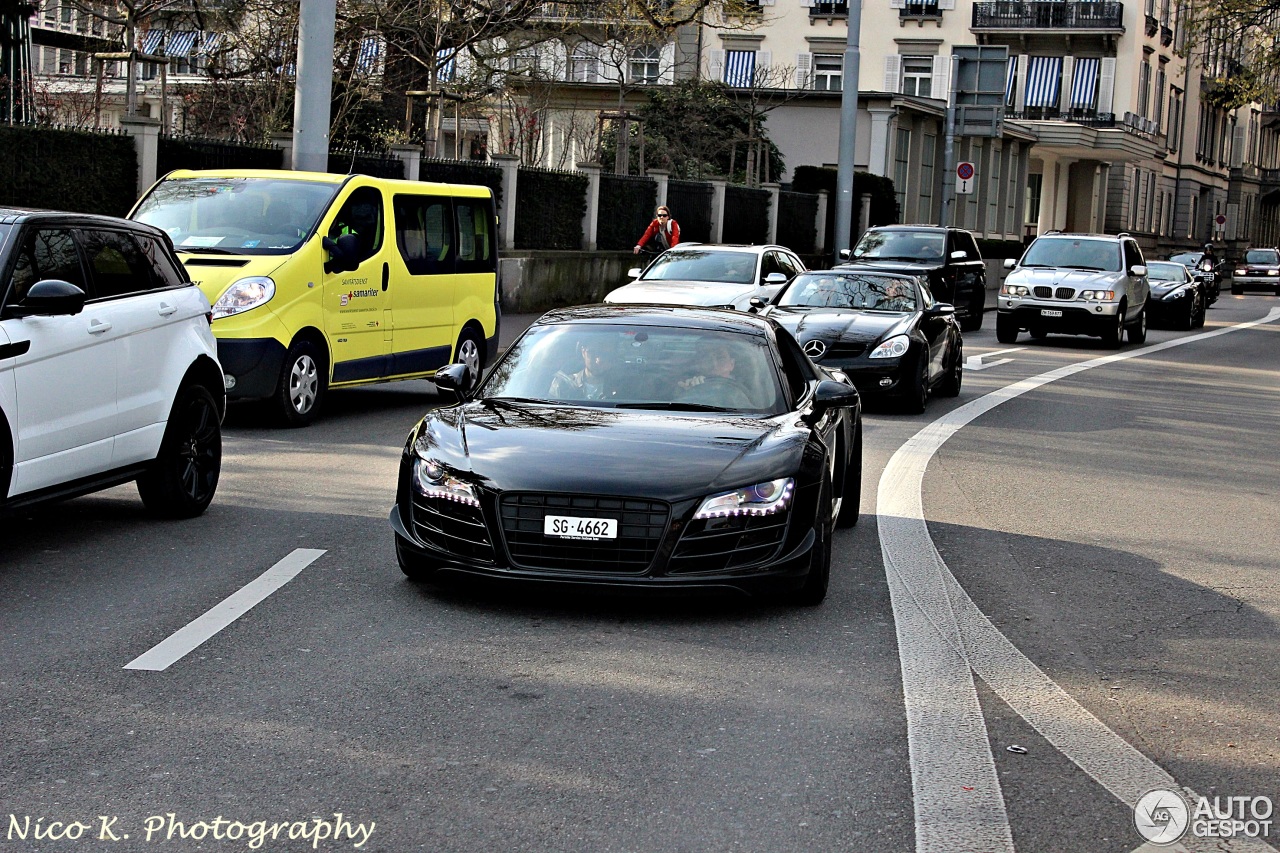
(240, 602)
(943, 638)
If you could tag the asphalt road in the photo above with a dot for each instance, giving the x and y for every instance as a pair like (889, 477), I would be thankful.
(1117, 527)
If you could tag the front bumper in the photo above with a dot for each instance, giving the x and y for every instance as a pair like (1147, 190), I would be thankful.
(1068, 318)
(875, 378)
(254, 364)
(684, 554)
(1254, 281)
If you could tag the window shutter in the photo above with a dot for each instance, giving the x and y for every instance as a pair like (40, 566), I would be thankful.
(946, 5)
(1106, 84)
(764, 60)
(1237, 146)
(892, 72)
(804, 70)
(667, 64)
(715, 69)
(806, 4)
(940, 85)
(897, 4)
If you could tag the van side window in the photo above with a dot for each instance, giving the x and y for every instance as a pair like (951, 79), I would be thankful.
(423, 233)
(46, 253)
(475, 235)
(361, 215)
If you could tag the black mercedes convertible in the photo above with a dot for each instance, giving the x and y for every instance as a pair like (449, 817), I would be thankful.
(646, 447)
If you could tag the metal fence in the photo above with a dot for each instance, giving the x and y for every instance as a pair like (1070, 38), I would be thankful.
(463, 172)
(191, 152)
(376, 163)
(797, 222)
(550, 206)
(626, 208)
(690, 203)
(749, 222)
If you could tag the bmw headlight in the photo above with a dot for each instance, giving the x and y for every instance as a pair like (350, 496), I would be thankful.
(244, 294)
(760, 499)
(895, 347)
(431, 480)
(1098, 295)
(1014, 290)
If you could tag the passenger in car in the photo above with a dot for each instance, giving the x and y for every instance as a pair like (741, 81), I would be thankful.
(597, 380)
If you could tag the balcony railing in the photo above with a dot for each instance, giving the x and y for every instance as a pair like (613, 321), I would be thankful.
(1040, 15)
(829, 10)
(1270, 178)
(1153, 26)
(1166, 35)
(1089, 118)
(920, 10)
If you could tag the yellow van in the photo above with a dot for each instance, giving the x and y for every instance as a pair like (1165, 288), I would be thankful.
(320, 280)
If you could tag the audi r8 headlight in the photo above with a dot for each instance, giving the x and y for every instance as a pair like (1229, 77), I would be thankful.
(760, 499)
(431, 480)
(1098, 295)
(244, 294)
(894, 347)
(1014, 290)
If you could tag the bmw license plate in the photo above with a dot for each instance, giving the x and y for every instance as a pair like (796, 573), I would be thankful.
(574, 527)
(1050, 312)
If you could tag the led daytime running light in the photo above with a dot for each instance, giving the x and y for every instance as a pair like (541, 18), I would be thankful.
(761, 499)
(431, 481)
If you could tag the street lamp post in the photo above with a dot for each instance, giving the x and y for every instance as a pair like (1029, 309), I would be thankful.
(848, 129)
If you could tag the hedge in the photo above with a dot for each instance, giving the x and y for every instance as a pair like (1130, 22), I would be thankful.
(626, 209)
(74, 170)
(187, 152)
(549, 209)
(746, 217)
(884, 202)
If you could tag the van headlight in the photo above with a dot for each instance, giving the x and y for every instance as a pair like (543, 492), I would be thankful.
(895, 347)
(244, 294)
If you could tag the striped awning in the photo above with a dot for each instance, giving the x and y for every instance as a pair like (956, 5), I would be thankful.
(370, 51)
(1084, 85)
(446, 63)
(740, 68)
(212, 41)
(151, 40)
(180, 44)
(1011, 82)
(1044, 80)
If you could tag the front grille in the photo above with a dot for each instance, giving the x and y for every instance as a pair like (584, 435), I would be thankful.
(453, 527)
(846, 350)
(1042, 292)
(641, 526)
(1065, 293)
(717, 544)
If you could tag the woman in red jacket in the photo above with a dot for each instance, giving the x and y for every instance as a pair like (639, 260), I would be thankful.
(663, 229)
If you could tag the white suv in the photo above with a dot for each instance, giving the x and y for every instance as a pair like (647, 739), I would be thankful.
(1076, 284)
(108, 368)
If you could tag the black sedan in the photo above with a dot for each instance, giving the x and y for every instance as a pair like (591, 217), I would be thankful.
(885, 332)
(646, 447)
(1177, 297)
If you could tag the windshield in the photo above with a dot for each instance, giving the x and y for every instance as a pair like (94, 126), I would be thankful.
(1267, 257)
(1190, 259)
(639, 367)
(901, 245)
(850, 290)
(716, 267)
(1079, 253)
(250, 216)
(1161, 271)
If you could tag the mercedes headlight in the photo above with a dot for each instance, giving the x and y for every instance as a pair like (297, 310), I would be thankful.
(894, 347)
(244, 294)
(760, 499)
(431, 480)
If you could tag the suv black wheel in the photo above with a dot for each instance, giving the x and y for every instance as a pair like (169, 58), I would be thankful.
(1138, 329)
(1006, 329)
(184, 476)
(1114, 334)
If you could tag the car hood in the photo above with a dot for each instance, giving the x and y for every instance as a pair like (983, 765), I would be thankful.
(904, 267)
(513, 446)
(1079, 279)
(685, 293)
(213, 274)
(830, 325)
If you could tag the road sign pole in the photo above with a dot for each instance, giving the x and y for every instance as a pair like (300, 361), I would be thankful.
(946, 211)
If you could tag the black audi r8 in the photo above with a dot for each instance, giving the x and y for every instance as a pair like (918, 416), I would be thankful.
(646, 447)
(885, 332)
(1177, 297)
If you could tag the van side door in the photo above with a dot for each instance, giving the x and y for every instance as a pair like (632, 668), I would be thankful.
(357, 303)
(423, 282)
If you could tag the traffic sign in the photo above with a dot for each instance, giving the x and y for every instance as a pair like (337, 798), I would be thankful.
(1221, 220)
(965, 178)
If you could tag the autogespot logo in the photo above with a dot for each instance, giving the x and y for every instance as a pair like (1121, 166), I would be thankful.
(1161, 816)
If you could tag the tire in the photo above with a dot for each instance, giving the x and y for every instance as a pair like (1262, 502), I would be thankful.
(1199, 322)
(851, 497)
(1114, 335)
(816, 582)
(1138, 330)
(182, 480)
(304, 381)
(916, 396)
(1006, 329)
(1039, 334)
(1189, 322)
(950, 386)
(414, 566)
(470, 351)
(973, 322)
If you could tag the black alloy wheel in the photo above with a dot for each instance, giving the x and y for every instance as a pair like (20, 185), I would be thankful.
(184, 476)
(950, 385)
(1193, 308)
(1113, 335)
(916, 395)
(816, 582)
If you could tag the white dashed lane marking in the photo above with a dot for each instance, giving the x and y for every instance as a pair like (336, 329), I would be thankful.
(943, 639)
(180, 643)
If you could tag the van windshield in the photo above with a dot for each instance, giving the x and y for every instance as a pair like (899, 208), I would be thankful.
(243, 216)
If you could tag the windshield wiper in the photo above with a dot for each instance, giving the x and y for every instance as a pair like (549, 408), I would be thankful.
(204, 250)
(674, 407)
(519, 400)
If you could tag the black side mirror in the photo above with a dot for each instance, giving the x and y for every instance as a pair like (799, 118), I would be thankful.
(831, 394)
(344, 253)
(454, 379)
(49, 298)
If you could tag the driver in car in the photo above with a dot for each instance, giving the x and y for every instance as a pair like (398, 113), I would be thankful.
(597, 378)
(717, 386)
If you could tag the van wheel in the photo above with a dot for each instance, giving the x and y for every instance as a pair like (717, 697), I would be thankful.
(470, 352)
(303, 382)
(184, 476)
